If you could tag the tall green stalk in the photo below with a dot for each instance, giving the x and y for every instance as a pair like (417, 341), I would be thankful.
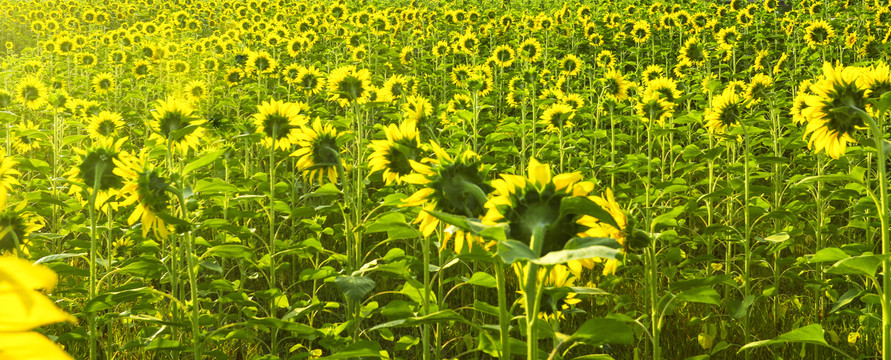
(879, 138)
(100, 168)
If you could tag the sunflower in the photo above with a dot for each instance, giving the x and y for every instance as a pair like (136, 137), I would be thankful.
(530, 50)
(347, 84)
(728, 38)
(86, 60)
(651, 73)
(528, 204)
(25, 308)
(103, 83)
(195, 91)
(575, 101)
(16, 226)
(394, 155)
(832, 112)
(175, 123)
(460, 74)
(94, 171)
(105, 125)
(260, 63)
(395, 88)
(141, 68)
(31, 93)
(654, 107)
(234, 76)
(318, 154)
(454, 185)
(615, 86)
(758, 88)
(467, 44)
(359, 53)
(417, 109)
(503, 56)
(144, 186)
(818, 33)
(597, 228)
(310, 80)
(570, 65)
(693, 53)
(26, 137)
(558, 116)
(726, 110)
(641, 31)
(441, 49)
(663, 88)
(605, 59)
(280, 122)
(407, 54)
(177, 67)
(877, 79)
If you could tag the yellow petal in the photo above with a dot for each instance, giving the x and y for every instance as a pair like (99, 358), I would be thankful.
(25, 309)
(30, 346)
(22, 274)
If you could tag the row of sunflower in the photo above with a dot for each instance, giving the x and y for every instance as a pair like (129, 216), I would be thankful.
(255, 162)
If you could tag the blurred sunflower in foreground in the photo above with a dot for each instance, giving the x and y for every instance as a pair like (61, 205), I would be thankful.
(454, 185)
(23, 308)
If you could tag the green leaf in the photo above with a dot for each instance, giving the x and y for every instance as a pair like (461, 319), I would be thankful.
(231, 251)
(146, 267)
(599, 331)
(203, 161)
(667, 219)
(356, 350)
(827, 178)
(512, 250)
(388, 222)
(811, 334)
(705, 295)
(828, 254)
(441, 316)
(845, 299)
(857, 265)
(565, 256)
(354, 287)
(50, 258)
(110, 299)
(579, 205)
(214, 185)
(482, 279)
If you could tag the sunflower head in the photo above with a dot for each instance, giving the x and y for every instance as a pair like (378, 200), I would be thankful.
(105, 124)
(655, 108)
(726, 111)
(279, 122)
(834, 112)
(148, 189)
(818, 33)
(394, 155)
(16, 226)
(175, 122)
(31, 93)
(693, 52)
(347, 84)
(615, 87)
(558, 116)
(758, 88)
(96, 165)
(534, 203)
(318, 155)
(103, 83)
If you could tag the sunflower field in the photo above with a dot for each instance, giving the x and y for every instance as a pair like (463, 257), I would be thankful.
(525, 179)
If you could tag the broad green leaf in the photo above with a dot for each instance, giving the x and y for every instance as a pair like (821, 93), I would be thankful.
(705, 295)
(512, 250)
(482, 279)
(362, 349)
(115, 297)
(845, 299)
(231, 251)
(214, 185)
(667, 219)
(828, 254)
(354, 287)
(857, 265)
(811, 334)
(441, 316)
(579, 205)
(203, 161)
(50, 258)
(565, 256)
(599, 331)
(146, 267)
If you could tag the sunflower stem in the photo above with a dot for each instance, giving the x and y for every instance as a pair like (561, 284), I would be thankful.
(879, 138)
(97, 175)
(504, 311)
(531, 292)
(273, 301)
(193, 280)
